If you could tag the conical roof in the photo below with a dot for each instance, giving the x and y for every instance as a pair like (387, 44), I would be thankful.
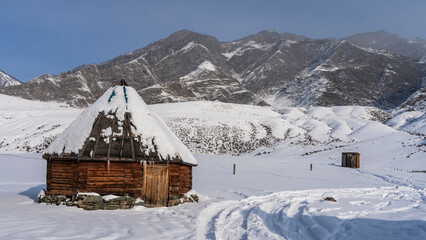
(120, 127)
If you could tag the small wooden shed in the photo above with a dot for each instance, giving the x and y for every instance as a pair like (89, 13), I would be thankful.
(117, 146)
(350, 159)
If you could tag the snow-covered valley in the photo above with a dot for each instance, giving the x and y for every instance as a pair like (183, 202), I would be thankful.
(273, 194)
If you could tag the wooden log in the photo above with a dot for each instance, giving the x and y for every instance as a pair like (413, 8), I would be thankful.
(62, 180)
(107, 179)
(61, 186)
(62, 175)
(358, 161)
(58, 191)
(106, 174)
(62, 169)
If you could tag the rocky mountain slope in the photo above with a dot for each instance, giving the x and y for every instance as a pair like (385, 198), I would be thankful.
(381, 40)
(6, 80)
(278, 69)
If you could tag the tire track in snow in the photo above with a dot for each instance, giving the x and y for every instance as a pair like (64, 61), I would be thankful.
(304, 215)
(405, 182)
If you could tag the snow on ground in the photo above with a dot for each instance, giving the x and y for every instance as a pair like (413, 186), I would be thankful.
(273, 195)
(214, 127)
(30, 125)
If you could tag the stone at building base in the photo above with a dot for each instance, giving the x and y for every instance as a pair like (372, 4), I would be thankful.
(90, 202)
(182, 199)
(98, 203)
(93, 201)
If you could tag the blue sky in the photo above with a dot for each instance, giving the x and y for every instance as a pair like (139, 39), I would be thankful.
(38, 37)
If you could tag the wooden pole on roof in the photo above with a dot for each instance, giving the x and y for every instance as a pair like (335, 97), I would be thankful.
(98, 135)
(122, 82)
(130, 136)
(111, 137)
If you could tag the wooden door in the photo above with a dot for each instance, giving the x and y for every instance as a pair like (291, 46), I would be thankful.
(156, 185)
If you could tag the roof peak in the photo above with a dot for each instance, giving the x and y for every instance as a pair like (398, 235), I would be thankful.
(122, 82)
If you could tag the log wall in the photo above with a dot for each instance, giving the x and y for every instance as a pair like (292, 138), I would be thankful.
(60, 177)
(121, 178)
(180, 180)
(70, 176)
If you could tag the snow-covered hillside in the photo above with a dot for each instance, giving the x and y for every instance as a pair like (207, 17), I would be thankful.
(6, 80)
(223, 128)
(215, 127)
(273, 195)
(29, 126)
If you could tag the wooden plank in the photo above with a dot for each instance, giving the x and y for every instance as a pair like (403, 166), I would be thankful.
(61, 186)
(111, 137)
(358, 160)
(98, 134)
(61, 181)
(106, 174)
(69, 168)
(62, 175)
(59, 191)
(130, 136)
(343, 160)
(107, 179)
(62, 169)
(109, 190)
(104, 186)
(87, 139)
(124, 135)
(156, 185)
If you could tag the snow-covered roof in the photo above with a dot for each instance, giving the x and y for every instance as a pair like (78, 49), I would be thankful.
(148, 133)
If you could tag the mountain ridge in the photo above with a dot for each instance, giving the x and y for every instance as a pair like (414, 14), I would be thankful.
(6, 80)
(279, 69)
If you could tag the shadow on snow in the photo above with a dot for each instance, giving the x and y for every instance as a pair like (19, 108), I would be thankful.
(33, 192)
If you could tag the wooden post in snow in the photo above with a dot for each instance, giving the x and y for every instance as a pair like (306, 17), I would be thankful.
(234, 170)
(311, 166)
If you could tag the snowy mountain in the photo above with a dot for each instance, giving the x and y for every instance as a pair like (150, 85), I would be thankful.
(381, 40)
(267, 68)
(411, 115)
(7, 80)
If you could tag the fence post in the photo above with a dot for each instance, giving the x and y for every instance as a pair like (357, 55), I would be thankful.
(234, 170)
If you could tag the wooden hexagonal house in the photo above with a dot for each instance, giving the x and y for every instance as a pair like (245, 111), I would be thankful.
(117, 146)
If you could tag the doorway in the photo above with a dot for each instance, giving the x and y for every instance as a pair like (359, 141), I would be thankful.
(156, 184)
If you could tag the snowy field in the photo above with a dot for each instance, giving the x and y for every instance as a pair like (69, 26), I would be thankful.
(273, 195)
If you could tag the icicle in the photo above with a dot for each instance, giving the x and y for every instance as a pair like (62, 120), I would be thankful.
(108, 165)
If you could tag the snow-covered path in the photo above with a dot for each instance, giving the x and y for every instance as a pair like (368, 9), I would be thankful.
(372, 213)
